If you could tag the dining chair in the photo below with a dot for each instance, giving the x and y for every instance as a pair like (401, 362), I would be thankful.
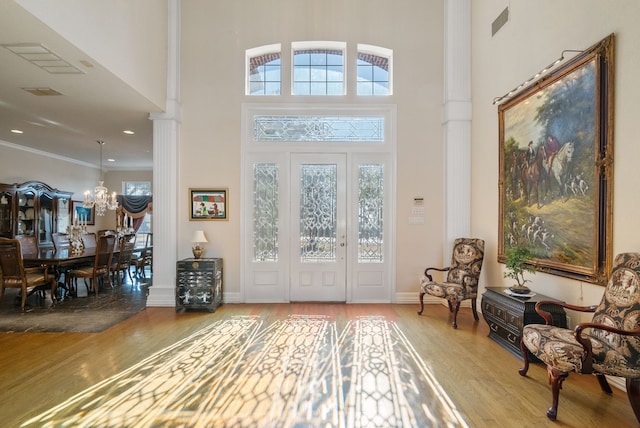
(121, 263)
(100, 268)
(13, 274)
(28, 244)
(89, 240)
(144, 257)
(60, 241)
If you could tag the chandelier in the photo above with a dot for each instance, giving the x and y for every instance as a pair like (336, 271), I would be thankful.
(101, 199)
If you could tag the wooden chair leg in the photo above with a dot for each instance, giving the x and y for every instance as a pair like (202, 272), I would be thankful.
(455, 306)
(604, 385)
(474, 309)
(54, 285)
(525, 357)
(24, 298)
(556, 377)
(633, 393)
(421, 303)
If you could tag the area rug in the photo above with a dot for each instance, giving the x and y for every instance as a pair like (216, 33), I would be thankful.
(297, 372)
(84, 314)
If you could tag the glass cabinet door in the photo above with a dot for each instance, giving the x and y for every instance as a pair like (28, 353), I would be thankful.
(45, 220)
(6, 204)
(26, 213)
(62, 215)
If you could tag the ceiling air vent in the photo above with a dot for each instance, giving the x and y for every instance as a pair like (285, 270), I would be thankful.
(41, 56)
(42, 92)
(499, 22)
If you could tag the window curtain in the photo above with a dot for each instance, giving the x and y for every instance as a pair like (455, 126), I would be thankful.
(134, 208)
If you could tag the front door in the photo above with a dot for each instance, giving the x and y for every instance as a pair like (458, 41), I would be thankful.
(318, 228)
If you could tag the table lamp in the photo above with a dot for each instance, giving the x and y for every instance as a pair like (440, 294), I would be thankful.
(198, 238)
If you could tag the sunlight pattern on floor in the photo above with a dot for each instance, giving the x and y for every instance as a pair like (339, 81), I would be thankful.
(297, 372)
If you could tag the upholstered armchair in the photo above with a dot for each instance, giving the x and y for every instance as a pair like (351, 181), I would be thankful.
(608, 345)
(462, 277)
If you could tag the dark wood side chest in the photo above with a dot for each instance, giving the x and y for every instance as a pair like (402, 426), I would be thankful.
(507, 315)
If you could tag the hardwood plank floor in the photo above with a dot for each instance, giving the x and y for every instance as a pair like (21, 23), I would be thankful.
(40, 370)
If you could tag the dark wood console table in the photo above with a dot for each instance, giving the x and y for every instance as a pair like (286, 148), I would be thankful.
(507, 315)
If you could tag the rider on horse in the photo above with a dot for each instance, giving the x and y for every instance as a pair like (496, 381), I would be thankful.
(551, 147)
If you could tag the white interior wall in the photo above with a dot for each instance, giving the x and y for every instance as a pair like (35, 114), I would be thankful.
(129, 38)
(213, 80)
(534, 37)
(214, 38)
(19, 166)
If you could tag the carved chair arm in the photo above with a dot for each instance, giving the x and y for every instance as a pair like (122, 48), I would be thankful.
(547, 316)
(426, 271)
(38, 269)
(587, 358)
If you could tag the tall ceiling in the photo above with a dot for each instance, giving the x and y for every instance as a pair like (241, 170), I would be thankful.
(93, 103)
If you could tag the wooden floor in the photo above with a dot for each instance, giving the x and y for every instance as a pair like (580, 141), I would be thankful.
(39, 370)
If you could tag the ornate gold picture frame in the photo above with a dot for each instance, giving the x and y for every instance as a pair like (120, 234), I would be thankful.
(556, 168)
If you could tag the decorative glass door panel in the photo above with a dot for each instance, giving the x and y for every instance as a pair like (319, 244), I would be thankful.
(6, 210)
(26, 213)
(63, 215)
(45, 220)
(318, 213)
(318, 197)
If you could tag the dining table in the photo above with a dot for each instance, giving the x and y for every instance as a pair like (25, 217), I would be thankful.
(60, 257)
(61, 260)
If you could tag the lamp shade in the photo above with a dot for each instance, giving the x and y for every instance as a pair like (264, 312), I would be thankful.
(198, 236)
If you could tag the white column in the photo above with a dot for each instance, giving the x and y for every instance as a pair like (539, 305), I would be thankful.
(166, 140)
(457, 122)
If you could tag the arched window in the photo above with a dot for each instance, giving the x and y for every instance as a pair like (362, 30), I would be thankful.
(318, 68)
(264, 70)
(374, 71)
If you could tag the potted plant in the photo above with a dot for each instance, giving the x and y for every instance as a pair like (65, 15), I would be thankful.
(516, 266)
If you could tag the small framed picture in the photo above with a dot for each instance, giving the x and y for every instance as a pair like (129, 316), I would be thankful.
(208, 204)
(82, 214)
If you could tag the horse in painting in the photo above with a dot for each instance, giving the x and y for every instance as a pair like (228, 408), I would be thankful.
(534, 177)
(559, 166)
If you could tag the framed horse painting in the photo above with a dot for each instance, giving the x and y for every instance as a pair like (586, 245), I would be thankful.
(556, 168)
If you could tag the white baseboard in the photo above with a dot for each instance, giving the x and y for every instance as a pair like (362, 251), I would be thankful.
(618, 382)
(161, 297)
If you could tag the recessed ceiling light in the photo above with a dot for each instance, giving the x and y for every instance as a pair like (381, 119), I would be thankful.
(17, 131)
(128, 132)
(111, 160)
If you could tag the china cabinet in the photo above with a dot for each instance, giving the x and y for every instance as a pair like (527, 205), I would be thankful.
(33, 208)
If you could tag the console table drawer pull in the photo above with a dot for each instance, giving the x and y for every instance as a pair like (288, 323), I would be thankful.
(493, 327)
(512, 338)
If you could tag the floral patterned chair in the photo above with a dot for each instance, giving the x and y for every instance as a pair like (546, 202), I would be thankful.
(462, 277)
(608, 345)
